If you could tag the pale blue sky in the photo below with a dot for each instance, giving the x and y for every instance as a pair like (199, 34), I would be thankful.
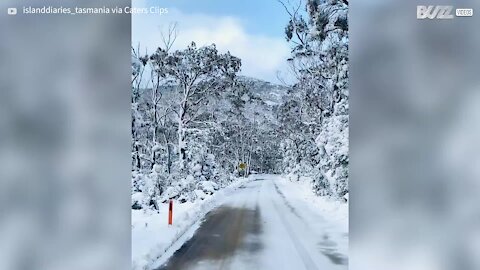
(252, 30)
(260, 16)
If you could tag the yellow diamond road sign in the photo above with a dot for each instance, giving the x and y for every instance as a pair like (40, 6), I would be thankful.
(242, 166)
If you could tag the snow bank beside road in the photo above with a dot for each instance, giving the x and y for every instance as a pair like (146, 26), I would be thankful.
(327, 217)
(152, 237)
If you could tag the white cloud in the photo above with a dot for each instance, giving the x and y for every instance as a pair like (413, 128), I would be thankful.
(262, 56)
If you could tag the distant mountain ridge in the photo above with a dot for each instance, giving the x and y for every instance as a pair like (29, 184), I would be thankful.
(272, 94)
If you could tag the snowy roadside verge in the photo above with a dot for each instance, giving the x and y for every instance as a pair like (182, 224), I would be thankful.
(327, 217)
(153, 240)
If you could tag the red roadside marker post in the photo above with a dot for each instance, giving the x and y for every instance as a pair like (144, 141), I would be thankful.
(170, 213)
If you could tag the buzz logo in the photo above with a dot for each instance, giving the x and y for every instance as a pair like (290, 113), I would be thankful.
(434, 12)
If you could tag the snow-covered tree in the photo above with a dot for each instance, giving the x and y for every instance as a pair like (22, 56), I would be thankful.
(318, 104)
(174, 120)
(198, 74)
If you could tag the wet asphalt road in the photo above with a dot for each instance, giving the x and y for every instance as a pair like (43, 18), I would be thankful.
(221, 235)
(255, 229)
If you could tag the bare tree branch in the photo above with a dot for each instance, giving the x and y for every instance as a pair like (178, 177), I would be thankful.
(170, 36)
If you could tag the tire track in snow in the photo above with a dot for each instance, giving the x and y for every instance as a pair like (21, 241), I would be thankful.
(235, 238)
(326, 246)
(308, 262)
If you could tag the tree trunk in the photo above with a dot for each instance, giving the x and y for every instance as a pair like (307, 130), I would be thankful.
(181, 128)
(137, 150)
(181, 144)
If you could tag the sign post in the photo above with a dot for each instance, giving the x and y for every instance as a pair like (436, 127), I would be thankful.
(243, 167)
(170, 212)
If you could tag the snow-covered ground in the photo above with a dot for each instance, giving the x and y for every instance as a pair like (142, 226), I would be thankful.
(152, 237)
(296, 229)
(324, 216)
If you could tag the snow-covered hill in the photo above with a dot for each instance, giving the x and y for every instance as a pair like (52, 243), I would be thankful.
(271, 94)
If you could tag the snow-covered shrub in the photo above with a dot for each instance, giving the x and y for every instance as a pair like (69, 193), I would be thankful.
(137, 200)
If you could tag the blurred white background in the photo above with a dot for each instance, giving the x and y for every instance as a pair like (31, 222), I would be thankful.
(64, 139)
(415, 125)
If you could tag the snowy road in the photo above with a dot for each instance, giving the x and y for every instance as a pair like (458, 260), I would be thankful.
(259, 228)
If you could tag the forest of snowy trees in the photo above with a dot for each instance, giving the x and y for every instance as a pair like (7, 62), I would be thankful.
(195, 119)
(315, 113)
